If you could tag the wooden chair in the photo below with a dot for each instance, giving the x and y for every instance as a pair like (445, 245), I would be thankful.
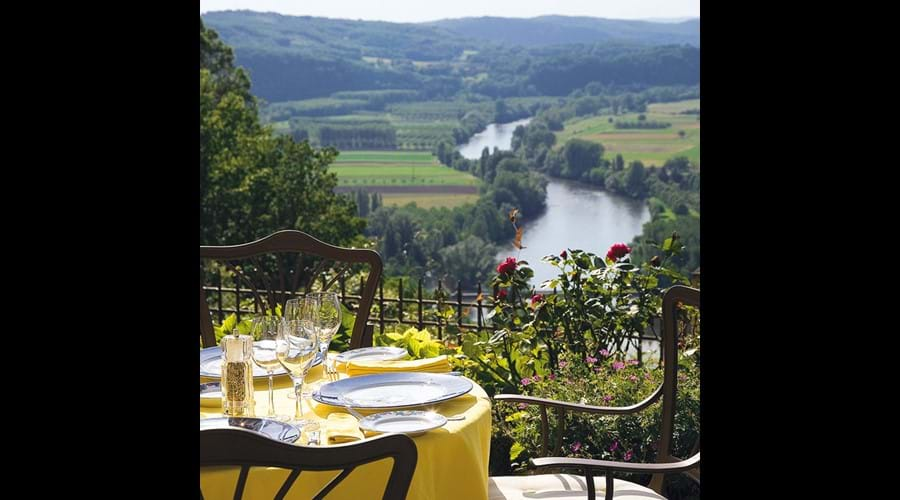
(275, 268)
(584, 486)
(245, 448)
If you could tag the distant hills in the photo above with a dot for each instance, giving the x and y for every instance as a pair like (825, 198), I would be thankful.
(553, 30)
(302, 57)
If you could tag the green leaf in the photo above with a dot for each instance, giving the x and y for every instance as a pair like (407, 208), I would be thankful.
(515, 450)
(516, 416)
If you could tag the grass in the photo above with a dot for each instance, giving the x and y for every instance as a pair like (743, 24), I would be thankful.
(396, 168)
(385, 156)
(429, 200)
(650, 146)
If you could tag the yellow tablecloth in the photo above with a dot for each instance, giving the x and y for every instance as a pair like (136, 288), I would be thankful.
(452, 462)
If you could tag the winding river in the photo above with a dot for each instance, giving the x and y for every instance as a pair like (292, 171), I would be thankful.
(577, 216)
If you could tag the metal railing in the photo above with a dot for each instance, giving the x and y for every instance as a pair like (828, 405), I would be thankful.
(413, 311)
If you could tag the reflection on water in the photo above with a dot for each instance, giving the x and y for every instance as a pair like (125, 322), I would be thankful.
(578, 216)
(496, 134)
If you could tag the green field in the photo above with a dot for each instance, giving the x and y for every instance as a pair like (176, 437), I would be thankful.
(418, 174)
(429, 200)
(650, 146)
(385, 156)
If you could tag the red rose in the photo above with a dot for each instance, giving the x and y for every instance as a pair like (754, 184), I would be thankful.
(507, 266)
(617, 251)
(536, 298)
(501, 295)
(564, 254)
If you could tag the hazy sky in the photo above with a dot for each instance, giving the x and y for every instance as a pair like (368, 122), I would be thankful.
(430, 10)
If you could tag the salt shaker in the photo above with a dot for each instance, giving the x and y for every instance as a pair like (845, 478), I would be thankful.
(237, 375)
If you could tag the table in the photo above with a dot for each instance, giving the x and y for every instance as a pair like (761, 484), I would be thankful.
(452, 461)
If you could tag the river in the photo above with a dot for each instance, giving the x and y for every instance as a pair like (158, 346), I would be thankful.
(577, 216)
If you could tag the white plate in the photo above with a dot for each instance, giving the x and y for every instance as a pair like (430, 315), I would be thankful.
(393, 390)
(211, 364)
(407, 422)
(372, 354)
(211, 394)
(272, 429)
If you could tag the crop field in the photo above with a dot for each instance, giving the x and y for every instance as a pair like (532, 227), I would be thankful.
(403, 177)
(650, 146)
(429, 200)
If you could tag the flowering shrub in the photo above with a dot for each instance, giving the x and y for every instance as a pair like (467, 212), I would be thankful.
(600, 305)
(607, 380)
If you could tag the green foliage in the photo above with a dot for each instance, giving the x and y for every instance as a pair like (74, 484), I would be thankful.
(418, 343)
(603, 381)
(253, 183)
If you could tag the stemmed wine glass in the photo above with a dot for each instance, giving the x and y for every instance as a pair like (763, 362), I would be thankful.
(264, 330)
(292, 308)
(327, 307)
(297, 342)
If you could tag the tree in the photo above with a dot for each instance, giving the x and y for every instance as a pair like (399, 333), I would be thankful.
(634, 180)
(581, 156)
(362, 203)
(500, 111)
(252, 182)
(681, 134)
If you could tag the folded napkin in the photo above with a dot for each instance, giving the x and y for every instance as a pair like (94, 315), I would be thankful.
(342, 428)
(439, 364)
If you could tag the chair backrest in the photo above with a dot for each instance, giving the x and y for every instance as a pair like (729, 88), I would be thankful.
(245, 448)
(673, 299)
(275, 268)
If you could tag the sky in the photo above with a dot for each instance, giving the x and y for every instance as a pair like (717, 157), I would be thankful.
(431, 10)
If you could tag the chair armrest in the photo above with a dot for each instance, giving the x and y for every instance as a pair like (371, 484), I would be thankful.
(606, 465)
(576, 407)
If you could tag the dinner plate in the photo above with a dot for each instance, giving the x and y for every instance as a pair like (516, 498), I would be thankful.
(383, 353)
(211, 364)
(392, 390)
(272, 429)
(211, 394)
(407, 422)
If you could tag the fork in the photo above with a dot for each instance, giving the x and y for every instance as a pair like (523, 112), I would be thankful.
(331, 370)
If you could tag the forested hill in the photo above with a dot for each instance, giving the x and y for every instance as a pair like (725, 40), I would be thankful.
(555, 30)
(293, 58)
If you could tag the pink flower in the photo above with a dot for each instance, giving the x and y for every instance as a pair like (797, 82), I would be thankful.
(576, 446)
(618, 365)
(628, 455)
(604, 353)
(563, 364)
(615, 446)
(536, 298)
(536, 378)
(607, 398)
(551, 376)
(526, 381)
(522, 406)
(591, 360)
(564, 254)
(507, 266)
(632, 361)
(633, 378)
(617, 251)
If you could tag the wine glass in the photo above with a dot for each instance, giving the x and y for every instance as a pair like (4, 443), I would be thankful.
(297, 342)
(292, 308)
(264, 330)
(327, 307)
